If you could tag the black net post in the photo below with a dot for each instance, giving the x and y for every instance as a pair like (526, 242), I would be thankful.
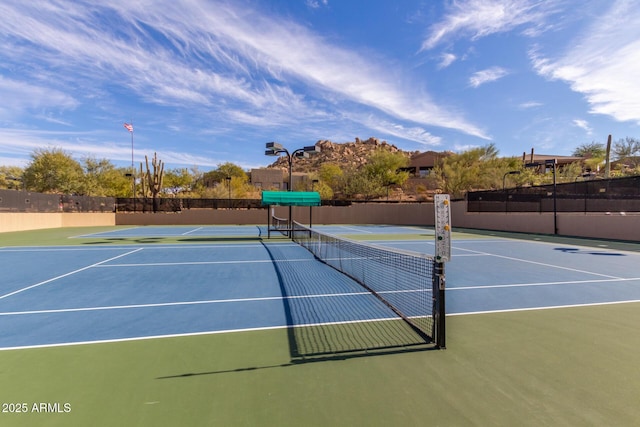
(439, 304)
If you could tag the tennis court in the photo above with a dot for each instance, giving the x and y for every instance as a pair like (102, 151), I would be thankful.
(220, 326)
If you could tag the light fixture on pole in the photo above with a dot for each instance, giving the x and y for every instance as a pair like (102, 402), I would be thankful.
(504, 177)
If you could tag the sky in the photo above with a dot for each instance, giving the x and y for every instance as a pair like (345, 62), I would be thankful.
(205, 82)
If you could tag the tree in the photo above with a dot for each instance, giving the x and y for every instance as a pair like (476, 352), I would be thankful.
(461, 172)
(102, 178)
(178, 181)
(326, 192)
(11, 177)
(237, 187)
(386, 167)
(382, 169)
(221, 173)
(330, 180)
(628, 150)
(477, 168)
(591, 150)
(53, 171)
(358, 184)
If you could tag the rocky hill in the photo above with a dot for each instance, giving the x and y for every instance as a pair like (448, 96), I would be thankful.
(347, 155)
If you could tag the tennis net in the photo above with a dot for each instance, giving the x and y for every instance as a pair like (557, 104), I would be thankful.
(280, 224)
(402, 280)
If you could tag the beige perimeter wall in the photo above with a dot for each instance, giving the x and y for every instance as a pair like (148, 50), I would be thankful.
(616, 226)
(10, 221)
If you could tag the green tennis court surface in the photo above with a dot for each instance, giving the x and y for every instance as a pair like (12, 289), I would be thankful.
(512, 363)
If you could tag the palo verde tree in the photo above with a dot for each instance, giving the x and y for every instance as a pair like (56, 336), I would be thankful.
(594, 153)
(222, 172)
(479, 168)
(11, 177)
(382, 170)
(178, 182)
(53, 170)
(102, 178)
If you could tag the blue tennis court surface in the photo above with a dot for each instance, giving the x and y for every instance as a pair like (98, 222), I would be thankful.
(92, 293)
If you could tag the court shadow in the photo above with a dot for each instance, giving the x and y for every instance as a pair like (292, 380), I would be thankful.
(313, 313)
(299, 362)
(588, 252)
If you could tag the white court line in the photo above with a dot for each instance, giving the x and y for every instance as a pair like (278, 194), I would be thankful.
(151, 337)
(576, 244)
(551, 307)
(159, 264)
(182, 303)
(539, 263)
(269, 328)
(359, 230)
(100, 233)
(191, 231)
(524, 285)
(67, 274)
(177, 246)
(64, 248)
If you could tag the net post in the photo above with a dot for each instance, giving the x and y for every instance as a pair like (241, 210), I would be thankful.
(268, 221)
(440, 312)
(442, 234)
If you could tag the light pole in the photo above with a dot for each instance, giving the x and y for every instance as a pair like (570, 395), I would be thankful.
(275, 149)
(229, 187)
(553, 163)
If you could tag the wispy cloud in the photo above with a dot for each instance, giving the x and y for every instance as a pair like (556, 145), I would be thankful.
(19, 96)
(315, 4)
(486, 76)
(529, 104)
(583, 124)
(447, 59)
(23, 142)
(416, 134)
(211, 57)
(480, 18)
(603, 64)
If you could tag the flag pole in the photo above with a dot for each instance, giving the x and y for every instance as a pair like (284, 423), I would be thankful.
(129, 127)
(133, 168)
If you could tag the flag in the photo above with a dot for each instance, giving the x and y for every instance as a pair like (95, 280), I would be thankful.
(128, 127)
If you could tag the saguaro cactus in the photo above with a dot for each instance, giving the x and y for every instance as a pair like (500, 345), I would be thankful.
(152, 179)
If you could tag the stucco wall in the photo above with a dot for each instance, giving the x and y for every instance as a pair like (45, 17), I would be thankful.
(613, 226)
(596, 225)
(10, 221)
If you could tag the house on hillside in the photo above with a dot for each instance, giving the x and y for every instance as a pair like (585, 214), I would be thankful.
(268, 179)
(421, 164)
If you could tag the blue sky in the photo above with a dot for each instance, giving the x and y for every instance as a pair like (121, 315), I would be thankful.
(206, 82)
